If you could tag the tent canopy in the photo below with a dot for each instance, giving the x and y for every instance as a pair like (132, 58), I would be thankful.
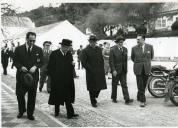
(55, 33)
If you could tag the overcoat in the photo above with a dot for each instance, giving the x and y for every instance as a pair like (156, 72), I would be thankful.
(60, 69)
(92, 61)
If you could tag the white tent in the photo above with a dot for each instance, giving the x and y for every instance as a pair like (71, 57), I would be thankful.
(55, 33)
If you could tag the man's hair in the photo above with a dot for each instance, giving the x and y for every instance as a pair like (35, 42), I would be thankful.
(30, 33)
(49, 42)
(142, 35)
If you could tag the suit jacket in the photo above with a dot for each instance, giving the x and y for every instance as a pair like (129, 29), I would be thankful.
(21, 59)
(45, 60)
(142, 61)
(118, 59)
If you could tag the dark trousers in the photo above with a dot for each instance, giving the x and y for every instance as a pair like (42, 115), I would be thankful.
(43, 76)
(79, 64)
(93, 96)
(30, 101)
(141, 85)
(69, 108)
(122, 78)
(12, 65)
(4, 65)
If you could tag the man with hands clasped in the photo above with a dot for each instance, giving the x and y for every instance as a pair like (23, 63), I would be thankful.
(27, 60)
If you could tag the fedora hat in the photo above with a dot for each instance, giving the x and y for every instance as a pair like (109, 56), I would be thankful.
(28, 79)
(66, 42)
(93, 37)
(119, 38)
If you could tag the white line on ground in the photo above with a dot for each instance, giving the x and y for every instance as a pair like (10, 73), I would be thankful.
(45, 113)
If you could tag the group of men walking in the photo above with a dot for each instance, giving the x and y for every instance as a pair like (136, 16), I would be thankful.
(59, 67)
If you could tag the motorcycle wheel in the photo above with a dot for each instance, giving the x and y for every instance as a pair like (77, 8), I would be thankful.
(174, 94)
(155, 88)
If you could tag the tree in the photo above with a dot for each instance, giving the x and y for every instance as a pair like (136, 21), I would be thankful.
(8, 10)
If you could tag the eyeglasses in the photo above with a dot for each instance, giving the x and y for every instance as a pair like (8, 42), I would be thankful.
(32, 40)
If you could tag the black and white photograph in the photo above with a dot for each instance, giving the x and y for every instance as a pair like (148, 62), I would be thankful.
(104, 63)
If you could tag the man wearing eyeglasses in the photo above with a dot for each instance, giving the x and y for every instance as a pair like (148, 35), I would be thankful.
(43, 69)
(27, 59)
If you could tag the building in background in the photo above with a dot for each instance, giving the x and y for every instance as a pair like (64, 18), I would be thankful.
(163, 20)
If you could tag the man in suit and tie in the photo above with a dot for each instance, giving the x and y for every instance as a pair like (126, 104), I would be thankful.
(27, 59)
(43, 69)
(141, 55)
(118, 65)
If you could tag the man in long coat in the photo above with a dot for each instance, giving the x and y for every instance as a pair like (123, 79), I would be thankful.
(60, 69)
(141, 55)
(92, 61)
(118, 64)
(27, 58)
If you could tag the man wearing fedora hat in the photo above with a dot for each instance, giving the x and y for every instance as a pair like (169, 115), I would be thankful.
(60, 70)
(92, 61)
(43, 69)
(28, 60)
(118, 65)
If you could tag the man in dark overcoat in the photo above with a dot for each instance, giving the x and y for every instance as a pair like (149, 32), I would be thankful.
(141, 55)
(27, 59)
(43, 69)
(60, 70)
(118, 65)
(5, 53)
(92, 61)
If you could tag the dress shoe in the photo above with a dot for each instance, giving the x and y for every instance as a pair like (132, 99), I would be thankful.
(76, 77)
(142, 104)
(115, 101)
(31, 117)
(94, 105)
(40, 89)
(21, 114)
(72, 116)
(56, 114)
(129, 101)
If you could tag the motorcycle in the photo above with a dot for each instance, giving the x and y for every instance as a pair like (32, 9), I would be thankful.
(171, 88)
(157, 80)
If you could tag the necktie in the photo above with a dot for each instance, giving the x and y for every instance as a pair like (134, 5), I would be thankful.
(28, 52)
(141, 47)
(121, 49)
